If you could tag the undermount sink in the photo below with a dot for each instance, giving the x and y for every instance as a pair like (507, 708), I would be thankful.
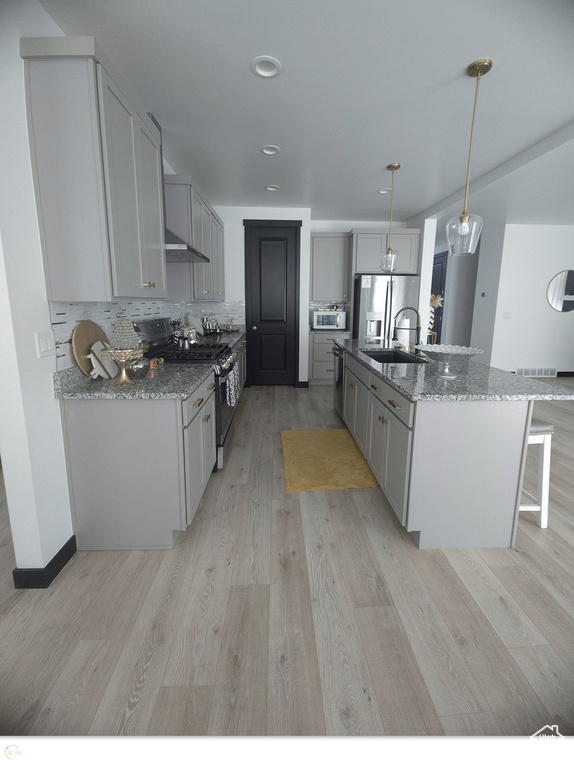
(391, 356)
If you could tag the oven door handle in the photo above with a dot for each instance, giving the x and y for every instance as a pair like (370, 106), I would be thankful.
(224, 374)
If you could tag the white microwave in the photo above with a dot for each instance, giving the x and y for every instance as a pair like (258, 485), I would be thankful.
(329, 319)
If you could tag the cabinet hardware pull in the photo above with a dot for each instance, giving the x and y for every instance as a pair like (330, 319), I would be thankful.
(211, 386)
(395, 406)
(352, 386)
(329, 370)
(383, 420)
(205, 291)
(374, 386)
(198, 402)
(206, 418)
(149, 285)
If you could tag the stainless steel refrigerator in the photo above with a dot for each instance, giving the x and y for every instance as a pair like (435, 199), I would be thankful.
(377, 299)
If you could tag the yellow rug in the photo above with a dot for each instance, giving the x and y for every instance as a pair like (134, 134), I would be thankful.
(324, 460)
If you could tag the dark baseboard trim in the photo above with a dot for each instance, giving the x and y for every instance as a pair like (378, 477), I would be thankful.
(565, 373)
(40, 578)
(302, 384)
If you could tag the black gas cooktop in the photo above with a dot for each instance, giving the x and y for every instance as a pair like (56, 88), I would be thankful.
(201, 352)
(197, 353)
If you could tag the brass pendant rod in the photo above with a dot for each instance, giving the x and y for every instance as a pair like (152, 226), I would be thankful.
(471, 143)
(476, 69)
(392, 167)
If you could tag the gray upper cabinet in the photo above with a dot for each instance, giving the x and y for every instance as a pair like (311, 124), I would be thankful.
(208, 279)
(188, 216)
(97, 169)
(370, 244)
(330, 254)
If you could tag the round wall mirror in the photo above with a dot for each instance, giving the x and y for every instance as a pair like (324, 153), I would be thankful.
(560, 292)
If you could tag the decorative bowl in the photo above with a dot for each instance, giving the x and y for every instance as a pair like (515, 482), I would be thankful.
(446, 354)
(123, 357)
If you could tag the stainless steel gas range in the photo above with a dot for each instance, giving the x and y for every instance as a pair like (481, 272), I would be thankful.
(158, 333)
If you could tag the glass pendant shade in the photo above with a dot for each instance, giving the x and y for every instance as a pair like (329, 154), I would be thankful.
(463, 234)
(388, 260)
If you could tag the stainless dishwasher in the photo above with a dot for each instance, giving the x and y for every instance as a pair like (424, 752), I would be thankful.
(338, 380)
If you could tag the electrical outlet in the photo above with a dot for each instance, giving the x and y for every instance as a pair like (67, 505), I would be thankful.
(45, 344)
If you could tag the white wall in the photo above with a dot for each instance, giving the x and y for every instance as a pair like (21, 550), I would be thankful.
(31, 442)
(527, 331)
(232, 218)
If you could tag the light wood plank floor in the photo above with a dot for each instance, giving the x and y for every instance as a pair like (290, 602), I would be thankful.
(299, 614)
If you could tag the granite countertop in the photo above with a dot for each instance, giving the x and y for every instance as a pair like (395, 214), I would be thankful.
(475, 381)
(173, 381)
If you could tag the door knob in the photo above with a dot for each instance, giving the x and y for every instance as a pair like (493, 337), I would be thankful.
(253, 327)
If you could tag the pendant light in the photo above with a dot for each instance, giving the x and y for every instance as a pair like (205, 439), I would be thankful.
(389, 257)
(463, 232)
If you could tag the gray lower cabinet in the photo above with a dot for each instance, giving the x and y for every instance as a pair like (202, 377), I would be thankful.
(321, 364)
(356, 409)
(199, 447)
(138, 468)
(98, 176)
(388, 455)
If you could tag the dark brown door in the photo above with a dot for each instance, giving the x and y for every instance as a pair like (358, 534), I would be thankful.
(271, 301)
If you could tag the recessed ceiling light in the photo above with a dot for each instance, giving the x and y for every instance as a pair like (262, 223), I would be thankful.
(270, 149)
(384, 191)
(266, 66)
(272, 187)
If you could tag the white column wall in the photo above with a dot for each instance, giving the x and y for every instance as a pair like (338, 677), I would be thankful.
(487, 280)
(527, 331)
(232, 218)
(31, 442)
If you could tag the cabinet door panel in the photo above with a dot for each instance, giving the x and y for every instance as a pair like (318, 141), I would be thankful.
(362, 418)
(219, 263)
(202, 277)
(350, 388)
(208, 438)
(389, 455)
(330, 267)
(120, 159)
(369, 248)
(194, 466)
(150, 197)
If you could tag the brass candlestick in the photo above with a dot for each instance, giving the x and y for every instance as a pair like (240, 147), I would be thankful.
(124, 357)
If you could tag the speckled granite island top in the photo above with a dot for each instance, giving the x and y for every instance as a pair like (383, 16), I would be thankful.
(171, 381)
(475, 381)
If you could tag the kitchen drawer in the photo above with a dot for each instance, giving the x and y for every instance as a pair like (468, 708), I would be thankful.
(193, 403)
(323, 353)
(323, 370)
(327, 339)
(360, 371)
(395, 402)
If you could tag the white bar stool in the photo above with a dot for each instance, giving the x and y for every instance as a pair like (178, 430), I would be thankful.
(540, 434)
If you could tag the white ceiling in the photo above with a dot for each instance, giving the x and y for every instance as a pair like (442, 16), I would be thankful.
(365, 83)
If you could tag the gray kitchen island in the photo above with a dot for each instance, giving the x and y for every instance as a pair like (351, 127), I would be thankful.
(449, 454)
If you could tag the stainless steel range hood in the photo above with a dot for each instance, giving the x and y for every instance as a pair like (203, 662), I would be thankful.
(176, 249)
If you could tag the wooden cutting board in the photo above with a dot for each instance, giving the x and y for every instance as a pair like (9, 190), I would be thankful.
(84, 335)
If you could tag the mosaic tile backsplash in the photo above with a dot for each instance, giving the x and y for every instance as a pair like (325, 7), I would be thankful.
(65, 315)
